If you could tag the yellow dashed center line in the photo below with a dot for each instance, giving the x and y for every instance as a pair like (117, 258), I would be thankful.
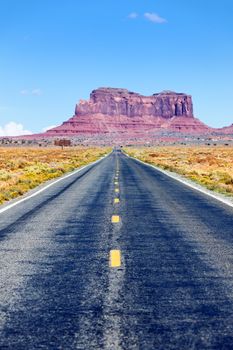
(115, 258)
(115, 254)
(115, 219)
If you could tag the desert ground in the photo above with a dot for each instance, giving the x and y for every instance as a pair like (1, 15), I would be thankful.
(211, 167)
(22, 169)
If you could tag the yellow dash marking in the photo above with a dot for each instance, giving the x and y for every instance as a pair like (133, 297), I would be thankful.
(117, 190)
(115, 258)
(116, 200)
(115, 219)
(116, 183)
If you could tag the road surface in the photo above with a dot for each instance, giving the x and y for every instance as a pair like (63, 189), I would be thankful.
(172, 283)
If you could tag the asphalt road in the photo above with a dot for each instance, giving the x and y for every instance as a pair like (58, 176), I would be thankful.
(173, 290)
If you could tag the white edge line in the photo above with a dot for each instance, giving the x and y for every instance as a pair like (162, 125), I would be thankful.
(204, 190)
(49, 185)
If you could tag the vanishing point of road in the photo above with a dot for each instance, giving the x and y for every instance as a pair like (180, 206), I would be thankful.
(117, 256)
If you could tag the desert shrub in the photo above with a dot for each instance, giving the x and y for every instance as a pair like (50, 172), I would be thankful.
(25, 168)
(209, 166)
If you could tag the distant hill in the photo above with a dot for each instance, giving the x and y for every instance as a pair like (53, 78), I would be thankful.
(111, 110)
(113, 116)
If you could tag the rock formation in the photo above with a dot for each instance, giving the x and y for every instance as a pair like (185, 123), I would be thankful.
(120, 111)
(115, 102)
(227, 130)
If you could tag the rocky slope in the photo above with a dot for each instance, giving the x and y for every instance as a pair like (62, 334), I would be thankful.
(120, 111)
(227, 130)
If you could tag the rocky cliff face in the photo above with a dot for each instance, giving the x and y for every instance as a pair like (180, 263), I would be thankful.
(115, 102)
(121, 111)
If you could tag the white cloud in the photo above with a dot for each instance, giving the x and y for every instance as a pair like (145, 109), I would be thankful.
(154, 17)
(133, 15)
(34, 92)
(13, 129)
(49, 127)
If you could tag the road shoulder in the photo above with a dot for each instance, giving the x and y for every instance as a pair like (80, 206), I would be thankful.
(218, 196)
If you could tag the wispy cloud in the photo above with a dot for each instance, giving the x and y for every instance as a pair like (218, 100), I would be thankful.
(13, 129)
(34, 92)
(154, 17)
(24, 92)
(133, 15)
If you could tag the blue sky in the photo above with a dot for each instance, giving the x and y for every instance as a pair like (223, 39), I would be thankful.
(54, 52)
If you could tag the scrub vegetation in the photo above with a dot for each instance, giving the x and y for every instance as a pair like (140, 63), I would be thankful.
(22, 169)
(208, 166)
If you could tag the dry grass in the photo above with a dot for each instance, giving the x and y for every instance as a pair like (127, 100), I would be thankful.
(208, 166)
(22, 169)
